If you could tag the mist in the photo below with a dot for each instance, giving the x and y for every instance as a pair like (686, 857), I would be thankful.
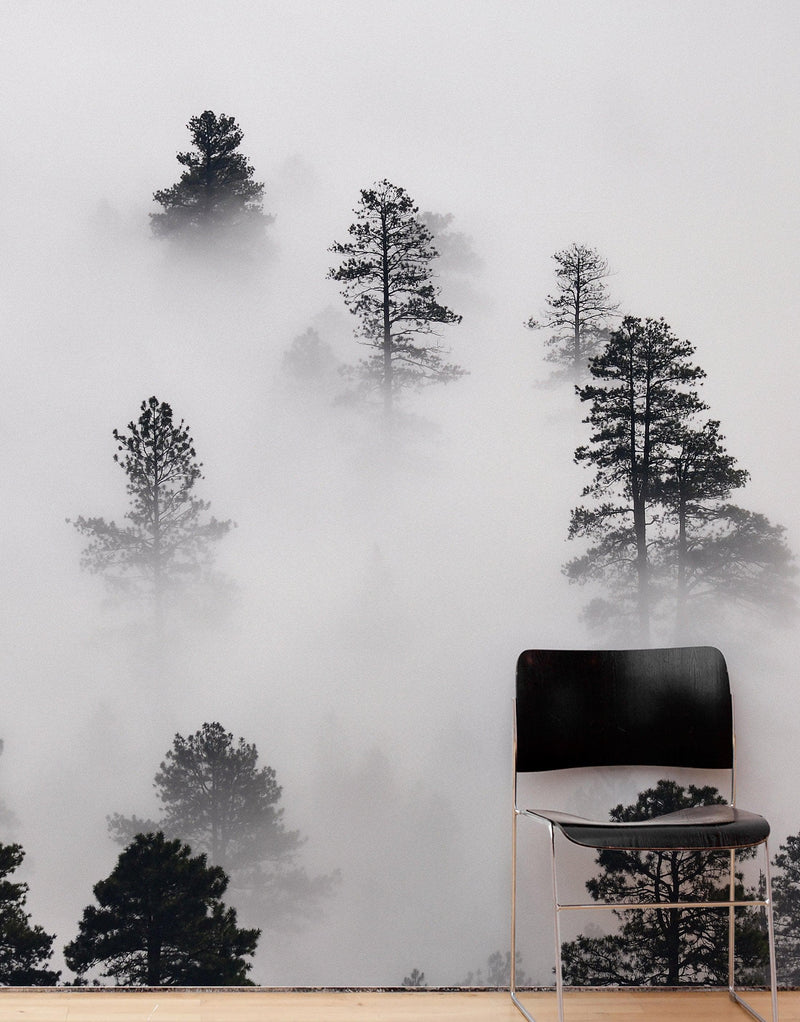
(382, 591)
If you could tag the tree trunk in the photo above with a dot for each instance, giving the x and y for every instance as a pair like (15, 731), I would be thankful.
(158, 563)
(642, 570)
(215, 813)
(674, 924)
(639, 469)
(153, 958)
(208, 184)
(387, 325)
(681, 589)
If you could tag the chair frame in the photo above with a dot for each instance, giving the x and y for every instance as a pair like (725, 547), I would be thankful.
(731, 904)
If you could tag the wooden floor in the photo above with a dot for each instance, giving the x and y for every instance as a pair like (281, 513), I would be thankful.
(166, 1005)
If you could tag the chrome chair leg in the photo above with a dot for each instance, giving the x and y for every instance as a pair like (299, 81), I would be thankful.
(732, 925)
(557, 927)
(773, 979)
(513, 964)
(773, 971)
(513, 973)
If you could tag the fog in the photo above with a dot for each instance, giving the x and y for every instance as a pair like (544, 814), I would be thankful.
(382, 596)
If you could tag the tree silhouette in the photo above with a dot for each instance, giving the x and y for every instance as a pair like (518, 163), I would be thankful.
(215, 797)
(665, 541)
(718, 553)
(786, 895)
(309, 362)
(454, 249)
(579, 312)
(646, 392)
(167, 546)
(388, 284)
(161, 921)
(498, 972)
(216, 202)
(24, 949)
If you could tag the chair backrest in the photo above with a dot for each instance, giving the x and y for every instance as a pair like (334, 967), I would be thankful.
(636, 707)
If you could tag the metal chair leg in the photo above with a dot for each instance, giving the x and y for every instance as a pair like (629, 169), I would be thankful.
(557, 928)
(773, 970)
(513, 972)
(773, 979)
(556, 925)
(732, 925)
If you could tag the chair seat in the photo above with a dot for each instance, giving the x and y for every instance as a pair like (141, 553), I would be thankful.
(716, 826)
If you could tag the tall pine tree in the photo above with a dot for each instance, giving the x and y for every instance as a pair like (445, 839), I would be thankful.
(579, 312)
(664, 539)
(646, 390)
(216, 202)
(216, 797)
(388, 285)
(166, 547)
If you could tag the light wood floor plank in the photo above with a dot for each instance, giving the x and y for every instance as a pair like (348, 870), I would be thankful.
(376, 1006)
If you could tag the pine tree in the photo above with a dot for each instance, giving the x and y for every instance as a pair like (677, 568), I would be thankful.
(215, 796)
(454, 249)
(579, 312)
(699, 476)
(664, 540)
(498, 972)
(387, 283)
(167, 545)
(646, 392)
(216, 202)
(161, 921)
(716, 548)
(25, 950)
(786, 895)
(310, 363)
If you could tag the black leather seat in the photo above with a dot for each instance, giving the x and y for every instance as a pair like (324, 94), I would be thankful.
(701, 827)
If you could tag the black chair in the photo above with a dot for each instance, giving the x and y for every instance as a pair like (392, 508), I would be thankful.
(647, 708)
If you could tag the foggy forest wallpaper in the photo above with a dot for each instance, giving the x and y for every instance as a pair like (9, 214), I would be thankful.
(386, 480)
